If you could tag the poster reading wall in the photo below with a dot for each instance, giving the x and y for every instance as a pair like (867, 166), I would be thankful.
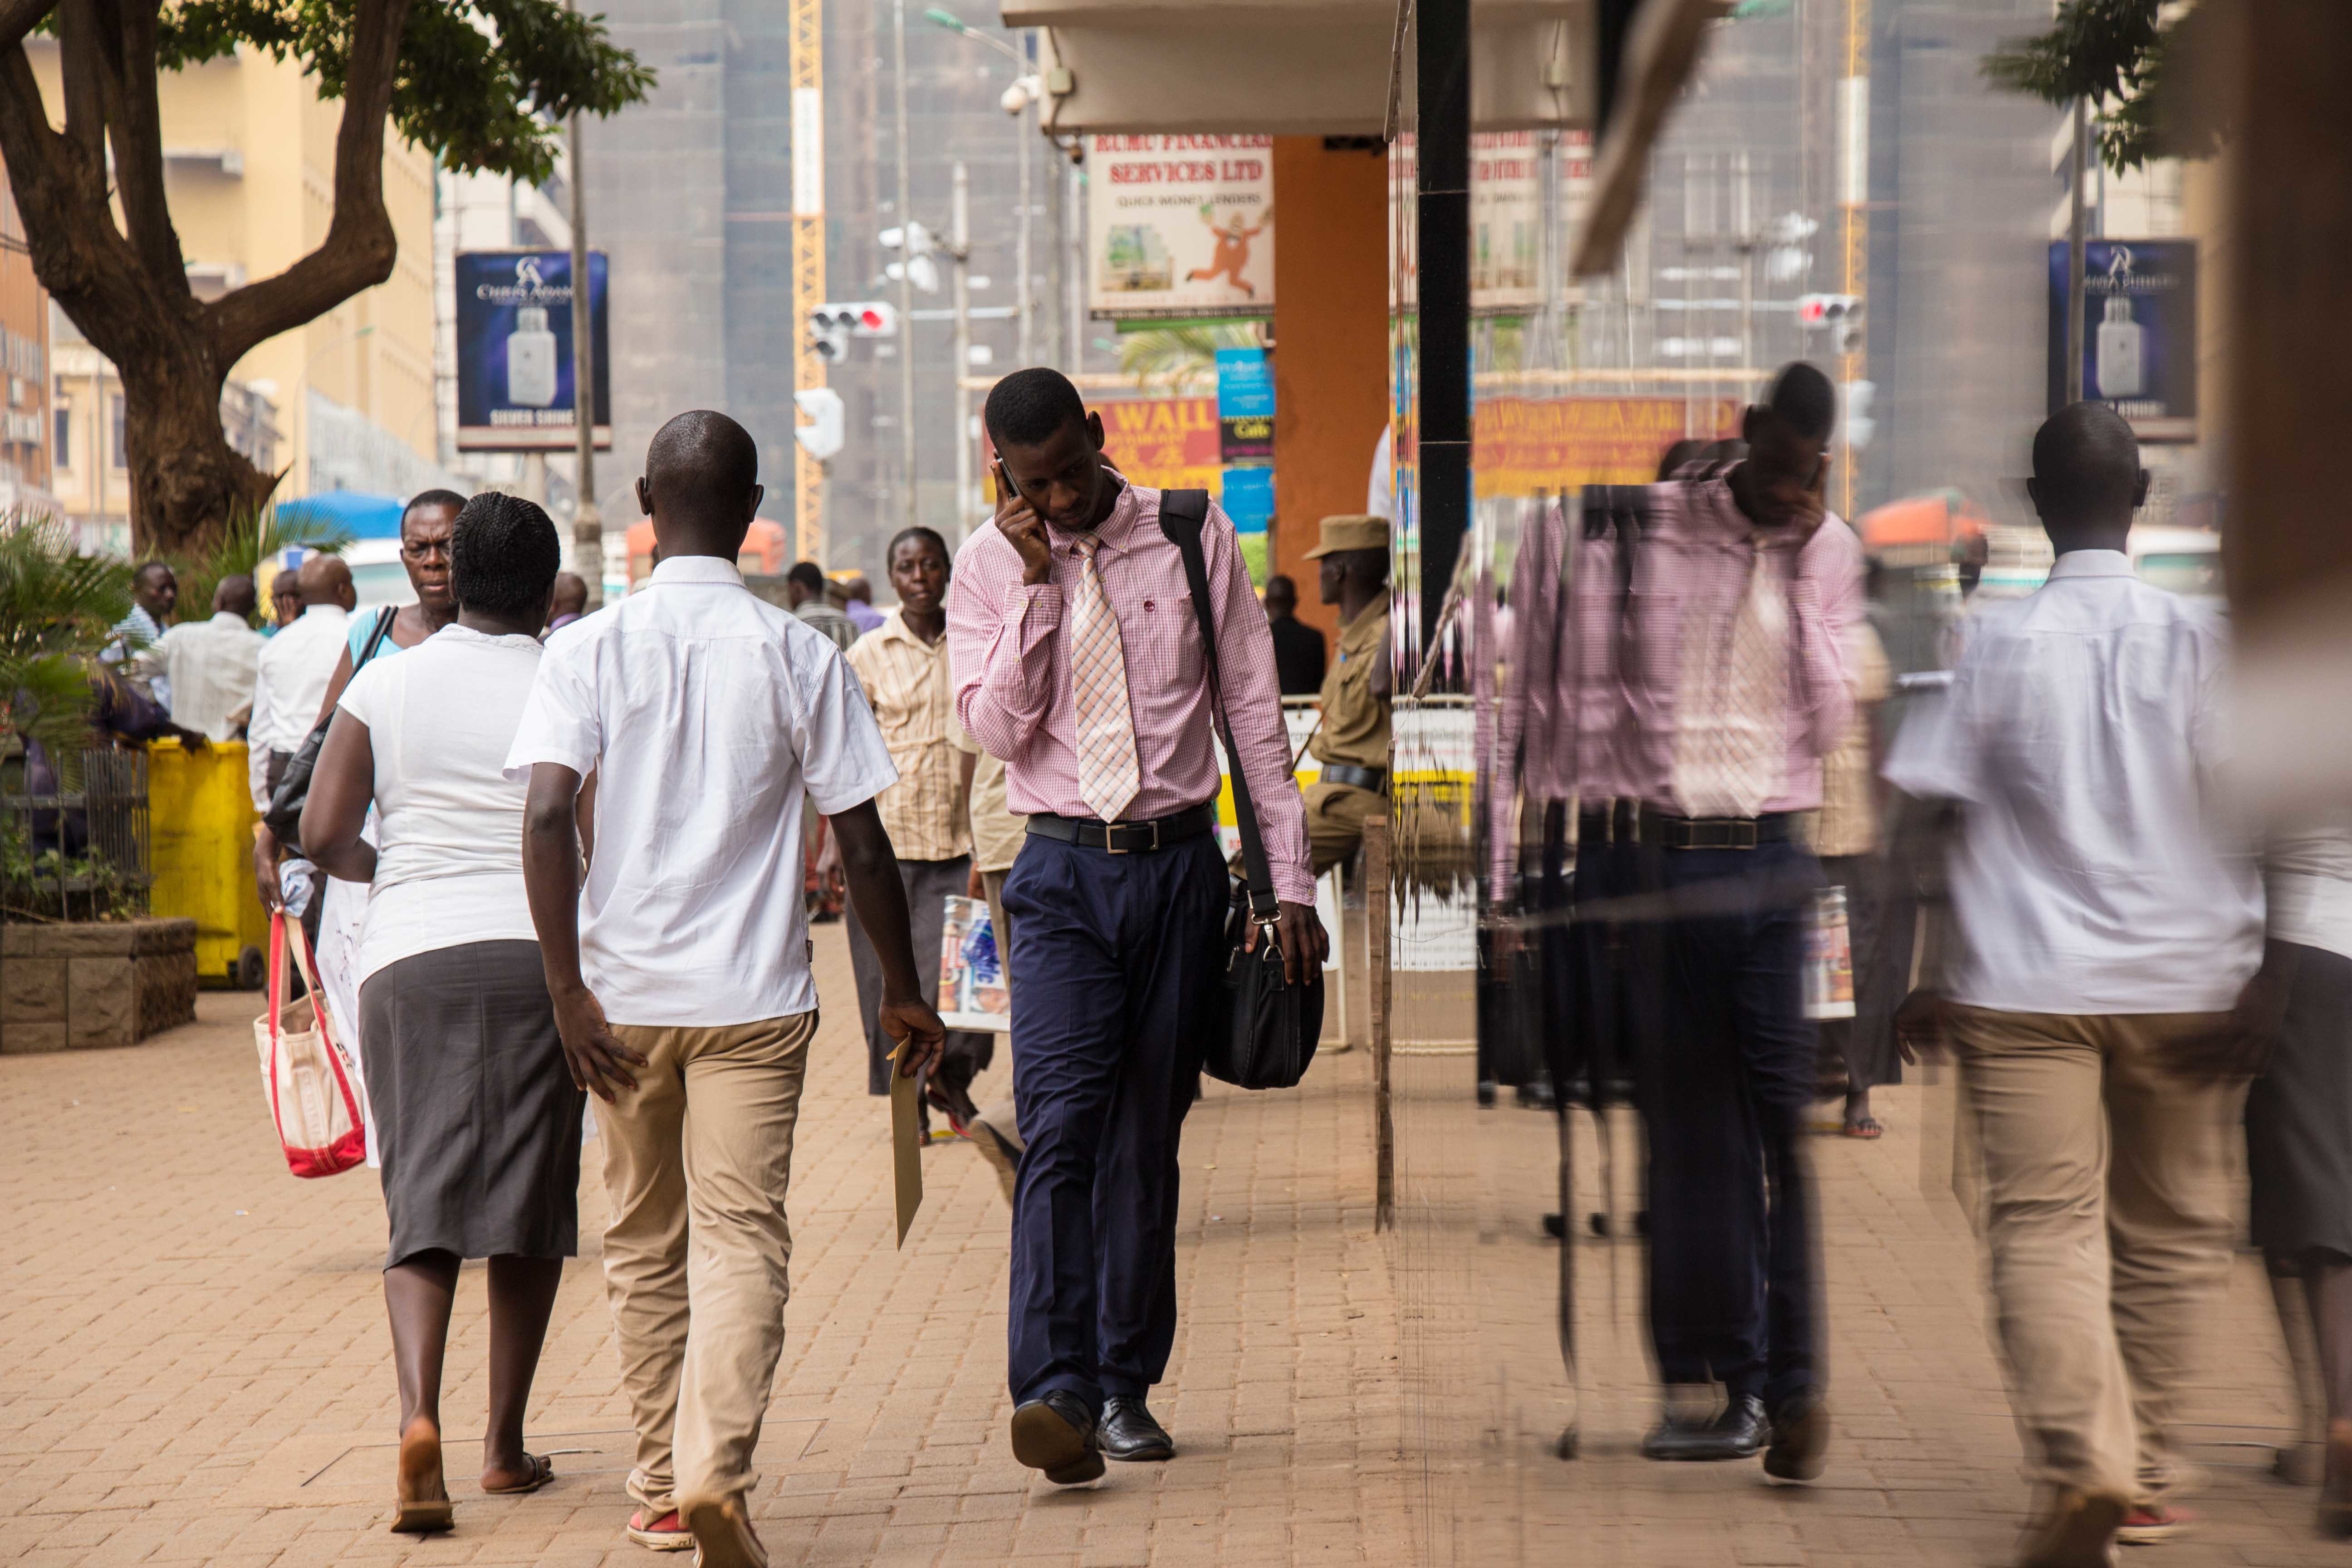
(1520, 445)
(1180, 225)
(1163, 443)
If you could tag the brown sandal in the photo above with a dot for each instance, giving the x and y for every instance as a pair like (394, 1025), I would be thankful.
(542, 1470)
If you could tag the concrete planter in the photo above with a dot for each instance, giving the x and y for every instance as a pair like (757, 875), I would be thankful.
(80, 985)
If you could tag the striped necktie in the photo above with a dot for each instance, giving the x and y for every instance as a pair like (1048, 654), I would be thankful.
(1108, 775)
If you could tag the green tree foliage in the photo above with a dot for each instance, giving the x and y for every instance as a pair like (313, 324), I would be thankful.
(483, 85)
(2125, 58)
(487, 84)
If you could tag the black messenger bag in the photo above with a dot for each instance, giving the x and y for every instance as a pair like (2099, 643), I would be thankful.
(1262, 1029)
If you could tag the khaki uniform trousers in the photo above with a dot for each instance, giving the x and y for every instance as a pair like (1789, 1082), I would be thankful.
(696, 1158)
(2107, 1198)
(1336, 814)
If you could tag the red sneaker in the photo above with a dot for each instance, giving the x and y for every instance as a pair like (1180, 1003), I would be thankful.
(668, 1534)
(2153, 1524)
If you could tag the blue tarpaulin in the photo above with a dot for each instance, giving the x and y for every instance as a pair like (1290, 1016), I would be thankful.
(358, 513)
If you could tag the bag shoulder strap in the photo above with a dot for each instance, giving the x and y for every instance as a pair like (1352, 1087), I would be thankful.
(1183, 516)
(383, 620)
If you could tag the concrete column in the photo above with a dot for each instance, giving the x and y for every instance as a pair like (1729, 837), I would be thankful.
(1331, 335)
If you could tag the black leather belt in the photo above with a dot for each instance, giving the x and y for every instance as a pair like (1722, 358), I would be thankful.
(1716, 832)
(1373, 779)
(1128, 837)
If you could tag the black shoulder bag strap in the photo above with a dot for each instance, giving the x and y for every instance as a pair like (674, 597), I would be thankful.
(383, 620)
(1183, 515)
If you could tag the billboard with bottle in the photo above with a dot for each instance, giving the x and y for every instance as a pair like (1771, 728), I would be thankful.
(515, 388)
(2139, 333)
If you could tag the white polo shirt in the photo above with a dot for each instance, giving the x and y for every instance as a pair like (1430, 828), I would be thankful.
(2083, 736)
(706, 714)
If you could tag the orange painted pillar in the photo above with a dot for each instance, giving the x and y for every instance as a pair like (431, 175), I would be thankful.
(1330, 344)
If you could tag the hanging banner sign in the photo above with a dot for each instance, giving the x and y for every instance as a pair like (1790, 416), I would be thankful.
(1180, 225)
(1522, 445)
(514, 351)
(1245, 403)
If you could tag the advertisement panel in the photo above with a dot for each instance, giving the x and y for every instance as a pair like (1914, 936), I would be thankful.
(1522, 445)
(1245, 404)
(514, 351)
(1165, 443)
(2139, 333)
(1506, 214)
(1180, 225)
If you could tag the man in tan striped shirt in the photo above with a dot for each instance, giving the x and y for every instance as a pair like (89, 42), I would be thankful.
(903, 663)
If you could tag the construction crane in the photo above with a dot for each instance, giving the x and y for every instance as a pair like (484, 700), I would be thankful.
(808, 58)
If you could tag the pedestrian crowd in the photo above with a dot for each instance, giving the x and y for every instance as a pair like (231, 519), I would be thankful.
(587, 888)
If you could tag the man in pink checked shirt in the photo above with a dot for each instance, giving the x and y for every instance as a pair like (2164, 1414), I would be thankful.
(1709, 676)
(1077, 658)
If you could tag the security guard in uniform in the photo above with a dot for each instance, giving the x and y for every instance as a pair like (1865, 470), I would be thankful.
(1352, 742)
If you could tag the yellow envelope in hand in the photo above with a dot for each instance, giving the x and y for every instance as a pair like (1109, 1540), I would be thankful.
(906, 1143)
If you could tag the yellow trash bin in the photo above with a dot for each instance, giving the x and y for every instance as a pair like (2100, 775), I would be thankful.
(200, 826)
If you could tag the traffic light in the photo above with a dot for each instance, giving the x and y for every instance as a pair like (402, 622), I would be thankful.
(831, 326)
(822, 435)
(1841, 313)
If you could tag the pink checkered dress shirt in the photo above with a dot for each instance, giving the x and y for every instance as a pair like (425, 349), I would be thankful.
(1012, 674)
(1620, 679)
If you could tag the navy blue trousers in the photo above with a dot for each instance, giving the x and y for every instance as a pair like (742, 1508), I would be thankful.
(1734, 1260)
(1114, 959)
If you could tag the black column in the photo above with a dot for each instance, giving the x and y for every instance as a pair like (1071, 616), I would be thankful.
(1441, 73)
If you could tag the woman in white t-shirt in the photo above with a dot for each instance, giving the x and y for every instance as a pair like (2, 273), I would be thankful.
(477, 1114)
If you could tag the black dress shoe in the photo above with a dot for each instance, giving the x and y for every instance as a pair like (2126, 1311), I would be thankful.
(1129, 1433)
(1737, 1433)
(1800, 1435)
(1056, 1435)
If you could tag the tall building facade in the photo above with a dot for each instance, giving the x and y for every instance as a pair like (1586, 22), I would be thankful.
(689, 193)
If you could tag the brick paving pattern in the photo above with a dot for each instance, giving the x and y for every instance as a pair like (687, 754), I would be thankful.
(193, 1366)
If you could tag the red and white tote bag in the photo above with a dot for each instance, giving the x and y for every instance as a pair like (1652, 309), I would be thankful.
(305, 1075)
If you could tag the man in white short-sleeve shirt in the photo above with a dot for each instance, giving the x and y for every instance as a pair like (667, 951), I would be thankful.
(2108, 926)
(680, 970)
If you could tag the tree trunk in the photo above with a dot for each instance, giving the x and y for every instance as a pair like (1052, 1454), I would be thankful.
(129, 292)
(186, 481)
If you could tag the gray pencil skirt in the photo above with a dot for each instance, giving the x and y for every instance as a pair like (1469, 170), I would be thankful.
(474, 1110)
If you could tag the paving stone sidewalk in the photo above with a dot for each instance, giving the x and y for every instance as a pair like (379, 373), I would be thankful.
(193, 1365)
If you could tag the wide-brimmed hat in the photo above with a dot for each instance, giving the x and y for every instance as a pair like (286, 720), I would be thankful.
(1351, 531)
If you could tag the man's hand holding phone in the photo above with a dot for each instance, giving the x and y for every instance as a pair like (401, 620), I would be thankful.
(1801, 507)
(1023, 529)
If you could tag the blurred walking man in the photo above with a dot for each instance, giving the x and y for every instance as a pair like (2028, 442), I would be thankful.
(680, 970)
(2106, 930)
(1742, 594)
(1078, 660)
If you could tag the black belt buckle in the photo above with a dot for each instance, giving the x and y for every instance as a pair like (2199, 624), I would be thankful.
(1721, 832)
(1111, 831)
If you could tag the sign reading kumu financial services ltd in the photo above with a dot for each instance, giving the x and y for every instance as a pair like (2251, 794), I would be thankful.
(1180, 225)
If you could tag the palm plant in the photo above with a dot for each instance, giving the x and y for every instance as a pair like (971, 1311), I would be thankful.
(58, 608)
(1180, 357)
(251, 538)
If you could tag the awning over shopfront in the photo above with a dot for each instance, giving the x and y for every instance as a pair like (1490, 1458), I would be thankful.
(1295, 67)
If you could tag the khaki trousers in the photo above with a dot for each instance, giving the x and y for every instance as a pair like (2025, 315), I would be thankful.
(1336, 814)
(696, 1158)
(2107, 1185)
